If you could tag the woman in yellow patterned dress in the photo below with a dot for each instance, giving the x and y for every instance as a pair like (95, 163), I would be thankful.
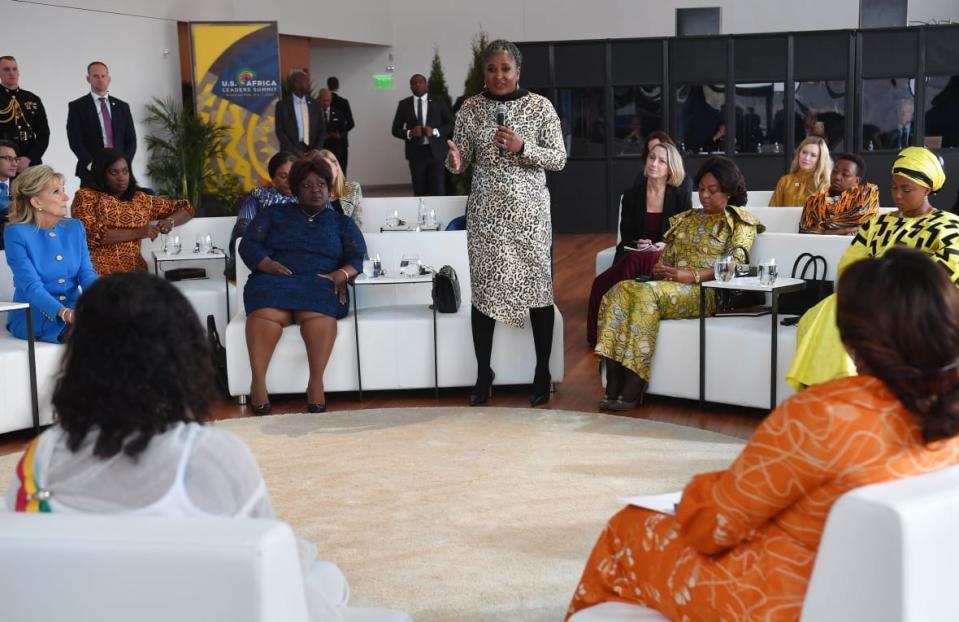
(742, 544)
(916, 174)
(630, 312)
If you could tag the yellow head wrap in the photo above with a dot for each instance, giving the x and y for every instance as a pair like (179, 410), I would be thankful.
(921, 166)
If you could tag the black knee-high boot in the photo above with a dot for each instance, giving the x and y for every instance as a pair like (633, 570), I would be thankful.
(482, 326)
(541, 320)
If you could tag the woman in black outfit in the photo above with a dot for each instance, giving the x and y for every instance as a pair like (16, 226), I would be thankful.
(658, 195)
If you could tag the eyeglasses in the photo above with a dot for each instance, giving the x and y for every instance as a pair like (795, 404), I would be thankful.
(312, 187)
(10, 159)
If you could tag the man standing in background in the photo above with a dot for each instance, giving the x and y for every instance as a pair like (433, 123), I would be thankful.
(423, 123)
(22, 117)
(97, 121)
(8, 170)
(336, 140)
(299, 124)
(343, 105)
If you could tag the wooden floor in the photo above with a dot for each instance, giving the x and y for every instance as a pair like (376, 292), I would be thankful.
(580, 390)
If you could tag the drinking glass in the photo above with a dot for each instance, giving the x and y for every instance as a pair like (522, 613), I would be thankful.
(725, 268)
(409, 265)
(768, 274)
(206, 243)
(368, 268)
(173, 246)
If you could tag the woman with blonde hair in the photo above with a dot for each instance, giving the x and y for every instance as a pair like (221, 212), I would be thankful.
(808, 174)
(345, 195)
(47, 253)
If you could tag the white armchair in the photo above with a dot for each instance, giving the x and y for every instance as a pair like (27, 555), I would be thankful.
(96, 568)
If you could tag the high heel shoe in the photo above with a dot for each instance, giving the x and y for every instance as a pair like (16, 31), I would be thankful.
(542, 389)
(261, 409)
(482, 391)
(316, 408)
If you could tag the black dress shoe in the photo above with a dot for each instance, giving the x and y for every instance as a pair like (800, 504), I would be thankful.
(541, 389)
(261, 409)
(483, 390)
(316, 408)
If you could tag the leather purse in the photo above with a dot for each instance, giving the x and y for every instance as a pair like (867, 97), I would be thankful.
(181, 274)
(817, 287)
(446, 290)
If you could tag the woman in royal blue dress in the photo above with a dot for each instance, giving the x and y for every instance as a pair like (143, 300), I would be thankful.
(301, 256)
(47, 253)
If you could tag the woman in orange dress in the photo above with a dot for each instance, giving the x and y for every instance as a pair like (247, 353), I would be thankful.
(118, 215)
(743, 541)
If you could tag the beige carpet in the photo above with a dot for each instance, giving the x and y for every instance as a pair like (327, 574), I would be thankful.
(467, 514)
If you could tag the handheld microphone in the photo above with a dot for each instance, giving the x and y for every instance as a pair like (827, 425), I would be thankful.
(501, 111)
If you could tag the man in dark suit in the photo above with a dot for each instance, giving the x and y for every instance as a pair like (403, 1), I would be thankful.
(336, 125)
(24, 120)
(299, 125)
(343, 105)
(99, 120)
(423, 122)
(902, 136)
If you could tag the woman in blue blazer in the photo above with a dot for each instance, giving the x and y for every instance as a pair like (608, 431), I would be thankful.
(47, 253)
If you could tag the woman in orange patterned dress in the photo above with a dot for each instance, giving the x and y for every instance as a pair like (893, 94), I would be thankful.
(118, 215)
(743, 541)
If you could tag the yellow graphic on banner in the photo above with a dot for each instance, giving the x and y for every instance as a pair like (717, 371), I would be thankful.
(252, 139)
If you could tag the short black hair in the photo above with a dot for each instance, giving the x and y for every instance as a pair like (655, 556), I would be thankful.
(97, 62)
(98, 170)
(10, 145)
(304, 166)
(728, 175)
(279, 159)
(136, 363)
(332, 83)
(855, 159)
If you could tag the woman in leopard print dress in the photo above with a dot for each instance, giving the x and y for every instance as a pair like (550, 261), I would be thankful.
(509, 231)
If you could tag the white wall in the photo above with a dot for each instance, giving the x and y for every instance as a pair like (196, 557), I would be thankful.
(53, 47)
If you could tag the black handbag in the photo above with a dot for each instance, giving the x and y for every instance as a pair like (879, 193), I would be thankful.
(446, 290)
(182, 274)
(817, 287)
(218, 358)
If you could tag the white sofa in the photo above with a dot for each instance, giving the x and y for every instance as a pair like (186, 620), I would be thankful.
(755, 197)
(396, 332)
(208, 296)
(16, 412)
(376, 209)
(887, 555)
(87, 568)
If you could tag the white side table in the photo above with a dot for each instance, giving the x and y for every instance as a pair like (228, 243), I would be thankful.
(161, 257)
(363, 281)
(745, 283)
(31, 357)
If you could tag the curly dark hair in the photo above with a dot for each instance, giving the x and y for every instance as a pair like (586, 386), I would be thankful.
(899, 316)
(279, 159)
(136, 363)
(98, 170)
(304, 166)
(728, 175)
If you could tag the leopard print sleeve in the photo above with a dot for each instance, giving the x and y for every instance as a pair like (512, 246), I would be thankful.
(547, 151)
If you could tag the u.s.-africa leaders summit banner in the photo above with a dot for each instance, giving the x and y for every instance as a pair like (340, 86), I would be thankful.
(236, 82)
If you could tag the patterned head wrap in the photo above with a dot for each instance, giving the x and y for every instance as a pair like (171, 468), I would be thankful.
(921, 166)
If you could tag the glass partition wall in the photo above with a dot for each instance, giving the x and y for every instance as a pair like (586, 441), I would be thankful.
(750, 97)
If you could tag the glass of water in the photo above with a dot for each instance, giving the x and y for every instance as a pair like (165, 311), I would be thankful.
(409, 265)
(768, 274)
(173, 246)
(725, 268)
(368, 270)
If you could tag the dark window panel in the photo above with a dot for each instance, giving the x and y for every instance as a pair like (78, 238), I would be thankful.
(580, 64)
(535, 69)
(889, 53)
(698, 21)
(582, 116)
(942, 50)
(701, 120)
(942, 112)
(821, 56)
(637, 111)
(637, 62)
(882, 13)
(578, 197)
(759, 59)
(698, 60)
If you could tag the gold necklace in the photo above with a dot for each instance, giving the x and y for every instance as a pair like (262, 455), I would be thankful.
(307, 215)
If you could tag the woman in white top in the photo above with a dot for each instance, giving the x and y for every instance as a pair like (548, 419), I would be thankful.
(127, 443)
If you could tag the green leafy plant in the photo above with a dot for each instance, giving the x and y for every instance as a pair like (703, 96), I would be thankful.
(437, 80)
(183, 148)
(473, 85)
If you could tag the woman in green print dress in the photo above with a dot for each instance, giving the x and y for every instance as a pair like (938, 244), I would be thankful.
(630, 312)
